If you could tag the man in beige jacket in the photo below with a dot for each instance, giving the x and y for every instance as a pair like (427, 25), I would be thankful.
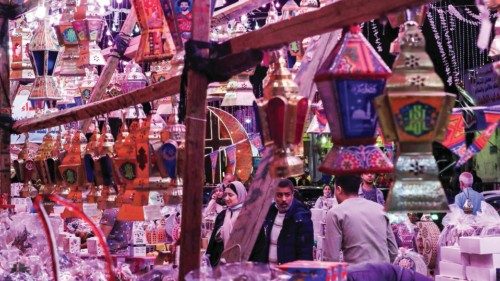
(358, 227)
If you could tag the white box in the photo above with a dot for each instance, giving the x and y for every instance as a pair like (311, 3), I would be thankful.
(485, 261)
(72, 244)
(138, 234)
(453, 254)
(481, 274)
(451, 269)
(480, 245)
(446, 278)
(137, 251)
(93, 247)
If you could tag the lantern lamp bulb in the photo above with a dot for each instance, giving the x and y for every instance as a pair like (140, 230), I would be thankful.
(41, 11)
(119, 1)
(323, 140)
(248, 120)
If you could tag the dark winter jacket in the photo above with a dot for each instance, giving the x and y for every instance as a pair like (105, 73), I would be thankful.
(296, 238)
(215, 248)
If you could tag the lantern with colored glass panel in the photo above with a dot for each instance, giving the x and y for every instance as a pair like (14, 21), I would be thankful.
(414, 113)
(351, 77)
(44, 52)
(281, 116)
(89, 27)
(156, 42)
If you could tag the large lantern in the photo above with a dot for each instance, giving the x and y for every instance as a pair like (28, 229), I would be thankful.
(281, 116)
(414, 113)
(89, 27)
(66, 64)
(44, 52)
(156, 41)
(351, 77)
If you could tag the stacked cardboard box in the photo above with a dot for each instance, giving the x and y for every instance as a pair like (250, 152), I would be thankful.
(475, 259)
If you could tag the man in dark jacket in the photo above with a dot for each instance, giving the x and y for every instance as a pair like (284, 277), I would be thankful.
(287, 232)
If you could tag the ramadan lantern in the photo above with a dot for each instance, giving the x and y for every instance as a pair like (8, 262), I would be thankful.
(66, 64)
(21, 68)
(134, 78)
(24, 166)
(44, 52)
(89, 27)
(156, 42)
(351, 77)
(281, 115)
(72, 168)
(414, 112)
(87, 84)
(47, 161)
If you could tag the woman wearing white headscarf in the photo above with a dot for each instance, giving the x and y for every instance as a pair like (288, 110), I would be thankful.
(234, 195)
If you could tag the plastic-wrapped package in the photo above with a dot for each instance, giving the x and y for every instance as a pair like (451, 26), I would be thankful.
(247, 271)
(160, 273)
(403, 228)
(411, 260)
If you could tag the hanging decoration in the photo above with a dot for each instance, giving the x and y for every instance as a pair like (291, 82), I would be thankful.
(455, 134)
(281, 115)
(21, 68)
(351, 77)
(414, 112)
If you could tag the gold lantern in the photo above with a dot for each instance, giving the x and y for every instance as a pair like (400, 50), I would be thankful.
(21, 68)
(89, 27)
(66, 64)
(72, 168)
(24, 166)
(156, 42)
(44, 52)
(414, 112)
(47, 161)
(282, 114)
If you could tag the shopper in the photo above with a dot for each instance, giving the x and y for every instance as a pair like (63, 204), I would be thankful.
(234, 195)
(358, 227)
(287, 232)
(368, 190)
(468, 200)
(327, 200)
(216, 203)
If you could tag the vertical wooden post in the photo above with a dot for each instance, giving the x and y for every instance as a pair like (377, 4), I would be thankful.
(192, 194)
(5, 107)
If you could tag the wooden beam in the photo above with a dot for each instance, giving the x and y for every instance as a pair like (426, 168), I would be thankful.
(333, 16)
(111, 64)
(254, 211)
(235, 11)
(196, 107)
(159, 90)
(5, 109)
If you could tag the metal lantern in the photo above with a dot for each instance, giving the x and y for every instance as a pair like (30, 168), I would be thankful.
(66, 64)
(47, 160)
(87, 84)
(70, 89)
(21, 68)
(72, 168)
(281, 115)
(24, 165)
(351, 77)
(134, 78)
(89, 27)
(159, 71)
(239, 91)
(414, 112)
(44, 51)
(156, 42)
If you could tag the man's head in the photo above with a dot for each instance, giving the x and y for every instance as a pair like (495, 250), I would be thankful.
(183, 5)
(228, 178)
(466, 180)
(346, 187)
(283, 195)
(368, 178)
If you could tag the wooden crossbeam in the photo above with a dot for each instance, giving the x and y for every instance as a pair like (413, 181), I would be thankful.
(162, 89)
(333, 16)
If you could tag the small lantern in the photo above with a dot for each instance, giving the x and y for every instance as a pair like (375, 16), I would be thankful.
(44, 52)
(281, 116)
(70, 92)
(239, 91)
(21, 68)
(66, 64)
(87, 84)
(134, 78)
(89, 27)
(414, 112)
(47, 160)
(156, 41)
(159, 71)
(25, 163)
(351, 77)
(72, 168)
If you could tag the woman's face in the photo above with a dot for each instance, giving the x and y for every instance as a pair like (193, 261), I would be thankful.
(230, 197)
(327, 191)
(219, 193)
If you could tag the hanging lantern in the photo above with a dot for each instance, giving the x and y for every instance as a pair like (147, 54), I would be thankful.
(24, 166)
(70, 92)
(282, 114)
(47, 161)
(72, 168)
(290, 10)
(21, 68)
(414, 112)
(159, 71)
(44, 52)
(134, 78)
(87, 84)
(89, 27)
(351, 77)
(156, 41)
(239, 91)
(66, 64)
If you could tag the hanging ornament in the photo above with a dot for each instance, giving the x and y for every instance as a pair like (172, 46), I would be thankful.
(21, 68)
(47, 162)
(24, 166)
(87, 84)
(159, 71)
(89, 27)
(351, 77)
(156, 42)
(44, 51)
(414, 112)
(281, 115)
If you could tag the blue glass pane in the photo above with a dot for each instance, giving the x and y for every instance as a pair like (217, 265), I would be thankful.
(51, 62)
(358, 114)
(89, 167)
(39, 59)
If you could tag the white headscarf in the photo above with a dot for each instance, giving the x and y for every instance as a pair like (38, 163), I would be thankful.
(232, 213)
